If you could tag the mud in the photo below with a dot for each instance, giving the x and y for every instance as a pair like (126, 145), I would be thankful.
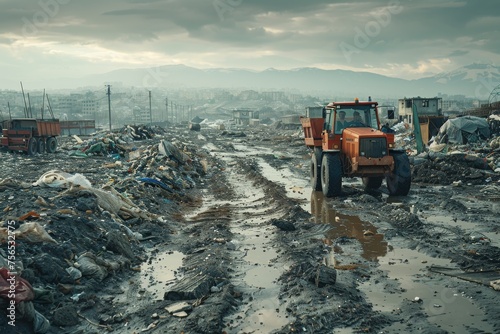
(252, 240)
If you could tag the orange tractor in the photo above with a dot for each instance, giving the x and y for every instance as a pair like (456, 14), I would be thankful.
(348, 141)
(30, 135)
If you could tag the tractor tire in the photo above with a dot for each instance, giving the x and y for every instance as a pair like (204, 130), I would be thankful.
(372, 183)
(51, 145)
(316, 169)
(331, 175)
(32, 146)
(399, 182)
(41, 146)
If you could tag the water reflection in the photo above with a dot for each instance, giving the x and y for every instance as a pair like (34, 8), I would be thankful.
(372, 242)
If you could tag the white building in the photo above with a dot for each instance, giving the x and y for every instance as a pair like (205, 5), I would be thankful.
(423, 107)
(90, 105)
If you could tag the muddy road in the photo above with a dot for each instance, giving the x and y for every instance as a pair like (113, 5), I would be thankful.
(251, 249)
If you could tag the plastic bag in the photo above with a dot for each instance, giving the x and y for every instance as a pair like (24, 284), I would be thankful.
(33, 232)
(22, 288)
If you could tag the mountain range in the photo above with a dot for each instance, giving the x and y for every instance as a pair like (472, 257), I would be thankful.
(475, 81)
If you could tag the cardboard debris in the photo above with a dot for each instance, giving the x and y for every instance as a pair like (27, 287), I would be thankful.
(495, 285)
(178, 307)
(78, 139)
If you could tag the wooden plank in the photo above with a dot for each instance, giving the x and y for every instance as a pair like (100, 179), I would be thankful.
(480, 277)
(191, 288)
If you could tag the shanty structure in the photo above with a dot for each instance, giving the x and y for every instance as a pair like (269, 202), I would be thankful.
(463, 130)
(245, 116)
(427, 110)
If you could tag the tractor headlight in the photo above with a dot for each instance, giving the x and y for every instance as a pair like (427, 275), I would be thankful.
(391, 145)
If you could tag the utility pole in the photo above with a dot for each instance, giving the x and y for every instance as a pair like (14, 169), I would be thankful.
(150, 113)
(172, 110)
(109, 105)
(50, 107)
(416, 130)
(29, 104)
(10, 115)
(166, 109)
(43, 102)
(25, 105)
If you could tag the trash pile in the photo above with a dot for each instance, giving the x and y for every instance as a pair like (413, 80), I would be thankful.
(72, 230)
(494, 122)
(462, 153)
(140, 132)
(165, 166)
(111, 144)
(463, 130)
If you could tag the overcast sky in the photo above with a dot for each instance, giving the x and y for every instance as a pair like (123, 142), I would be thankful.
(405, 38)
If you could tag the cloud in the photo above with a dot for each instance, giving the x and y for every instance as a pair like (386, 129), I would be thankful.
(398, 38)
(458, 53)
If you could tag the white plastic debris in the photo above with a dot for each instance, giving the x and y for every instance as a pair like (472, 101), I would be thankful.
(58, 179)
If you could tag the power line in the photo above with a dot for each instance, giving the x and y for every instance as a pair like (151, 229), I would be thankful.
(150, 112)
(109, 105)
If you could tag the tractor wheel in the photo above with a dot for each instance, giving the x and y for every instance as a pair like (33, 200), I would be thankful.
(316, 169)
(41, 146)
(331, 175)
(51, 145)
(373, 182)
(399, 182)
(32, 146)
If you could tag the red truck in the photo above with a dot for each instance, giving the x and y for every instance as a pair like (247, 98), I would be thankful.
(347, 141)
(31, 135)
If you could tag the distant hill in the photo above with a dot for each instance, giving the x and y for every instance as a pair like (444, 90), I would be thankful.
(476, 80)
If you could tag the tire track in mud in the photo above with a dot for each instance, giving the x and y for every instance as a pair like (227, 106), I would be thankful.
(307, 307)
(228, 249)
(303, 306)
(253, 203)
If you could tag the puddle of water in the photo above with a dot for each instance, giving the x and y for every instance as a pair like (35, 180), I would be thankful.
(295, 188)
(160, 272)
(257, 279)
(262, 277)
(261, 256)
(257, 276)
(248, 150)
(394, 200)
(373, 243)
(255, 273)
(343, 331)
(265, 316)
(449, 309)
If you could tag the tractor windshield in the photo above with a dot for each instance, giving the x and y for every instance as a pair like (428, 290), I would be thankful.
(355, 116)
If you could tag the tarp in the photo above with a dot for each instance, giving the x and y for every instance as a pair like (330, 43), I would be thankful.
(462, 130)
(197, 120)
